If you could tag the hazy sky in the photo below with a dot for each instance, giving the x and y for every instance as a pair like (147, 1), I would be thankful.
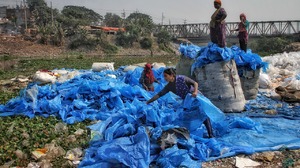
(190, 11)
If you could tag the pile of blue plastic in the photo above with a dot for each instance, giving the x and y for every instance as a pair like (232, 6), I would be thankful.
(128, 131)
(212, 53)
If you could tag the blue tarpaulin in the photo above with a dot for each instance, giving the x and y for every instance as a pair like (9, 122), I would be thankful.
(212, 53)
(125, 118)
(128, 130)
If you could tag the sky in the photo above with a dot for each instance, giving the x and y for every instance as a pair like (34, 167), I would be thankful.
(187, 11)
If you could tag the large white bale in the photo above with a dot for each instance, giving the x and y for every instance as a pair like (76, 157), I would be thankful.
(130, 68)
(44, 77)
(220, 83)
(100, 66)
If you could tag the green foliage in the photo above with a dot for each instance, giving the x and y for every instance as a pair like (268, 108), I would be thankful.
(108, 48)
(133, 31)
(112, 20)
(166, 48)
(267, 46)
(79, 15)
(288, 162)
(41, 13)
(80, 40)
(5, 96)
(125, 39)
(27, 135)
(143, 22)
(163, 37)
(85, 43)
(6, 57)
(100, 35)
(45, 32)
(33, 4)
(146, 43)
(69, 24)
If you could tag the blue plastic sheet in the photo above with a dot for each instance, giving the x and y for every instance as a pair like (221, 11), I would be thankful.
(127, 132)
(189, 50)
(212, 53)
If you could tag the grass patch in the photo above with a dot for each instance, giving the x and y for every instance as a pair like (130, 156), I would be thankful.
(78, 61)
(25, 134)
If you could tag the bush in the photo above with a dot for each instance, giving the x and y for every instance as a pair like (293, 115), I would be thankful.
(109, 48)
(146, 43)
(125, 40)
(90, 44)
(163, 37)
(268, 46)
(166, 48)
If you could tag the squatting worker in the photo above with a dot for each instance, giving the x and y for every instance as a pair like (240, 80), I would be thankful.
(217, 25)
(147, 78)
(181, 85)
(243, 32)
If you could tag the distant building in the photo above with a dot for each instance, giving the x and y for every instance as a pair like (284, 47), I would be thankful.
(12, 20)
(16, 15)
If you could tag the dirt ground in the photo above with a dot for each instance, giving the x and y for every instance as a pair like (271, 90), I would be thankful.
(17, 46)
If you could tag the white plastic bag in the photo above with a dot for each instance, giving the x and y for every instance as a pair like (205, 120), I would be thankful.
(99, 66)
(264, 81)
(44, 77)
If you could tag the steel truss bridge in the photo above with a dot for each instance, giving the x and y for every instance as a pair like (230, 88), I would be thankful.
(256, 29)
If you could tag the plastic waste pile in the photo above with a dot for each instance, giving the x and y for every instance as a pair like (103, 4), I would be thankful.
(133, 134)
(212, 53)
(189, 50)
(282, 76)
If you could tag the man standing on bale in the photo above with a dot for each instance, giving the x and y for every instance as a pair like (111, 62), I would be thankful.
(217, 25)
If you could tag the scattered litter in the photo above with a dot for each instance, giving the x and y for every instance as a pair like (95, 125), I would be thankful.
(245, 163)
(38, 153)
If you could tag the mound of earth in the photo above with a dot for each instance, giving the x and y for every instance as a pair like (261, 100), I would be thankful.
(17, 46)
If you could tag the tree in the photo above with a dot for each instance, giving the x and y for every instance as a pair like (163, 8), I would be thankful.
(163, 37)
(41, 13)
(142, 21)
(79, 15)
(112, 20)
(33, 4)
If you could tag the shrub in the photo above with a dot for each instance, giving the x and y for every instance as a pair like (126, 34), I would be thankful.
(90, 44)
(166, 48)
(109, 48)
(267, 46)
(125, 40)
(146, 43)
(163, 37)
